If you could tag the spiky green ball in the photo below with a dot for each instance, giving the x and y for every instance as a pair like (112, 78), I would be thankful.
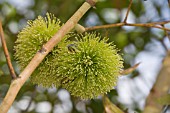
(90, 68)
(87, 67)
(31, 39)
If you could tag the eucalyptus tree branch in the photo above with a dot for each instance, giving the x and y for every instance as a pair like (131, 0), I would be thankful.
(160, 88)
(11, 69)
(40, 55)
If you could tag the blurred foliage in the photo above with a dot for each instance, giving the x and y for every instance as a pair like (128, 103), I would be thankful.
(164, 100)
(14, 15)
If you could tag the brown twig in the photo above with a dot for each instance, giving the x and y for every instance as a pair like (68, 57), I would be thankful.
(11, 69)
(32, 98)
(163, 44)
(127, 13)
(104, 26)
(129, 70)
(40, 55)
(124, 23)
(150, 25)
(166, 33)
(160, 23)
(162, 39)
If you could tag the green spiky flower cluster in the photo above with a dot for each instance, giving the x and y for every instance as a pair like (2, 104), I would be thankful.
(87, 67)
(91, 67)
(29, 42)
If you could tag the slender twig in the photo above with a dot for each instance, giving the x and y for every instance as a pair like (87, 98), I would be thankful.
(124, 23)
(32, 98)
(162, 39)
(166, 109)
(166, 32)
(104, 26)
(30, 102)
(40, 55)
(127, 13)
(11, 69)
(79, 28)
(163, 44)
(150, 25)
(129, 70)
(160, 23)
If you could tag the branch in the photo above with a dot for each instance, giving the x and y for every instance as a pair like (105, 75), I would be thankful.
(30, 102)
(124, 23)
(104, 26)
(127, 13)
(150, 25)
(166, 33)
(163, 43)
(40, 55)
(162, 40)
(129, 70)
(153, 25)
(79, 28)
(4, 46)
(160, 88)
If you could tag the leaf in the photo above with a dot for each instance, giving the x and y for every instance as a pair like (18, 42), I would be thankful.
(129, 70)
(109, 106)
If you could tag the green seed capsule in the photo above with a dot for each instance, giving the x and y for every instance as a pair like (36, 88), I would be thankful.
(29, 42)
(92, 69)
(87, 67)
